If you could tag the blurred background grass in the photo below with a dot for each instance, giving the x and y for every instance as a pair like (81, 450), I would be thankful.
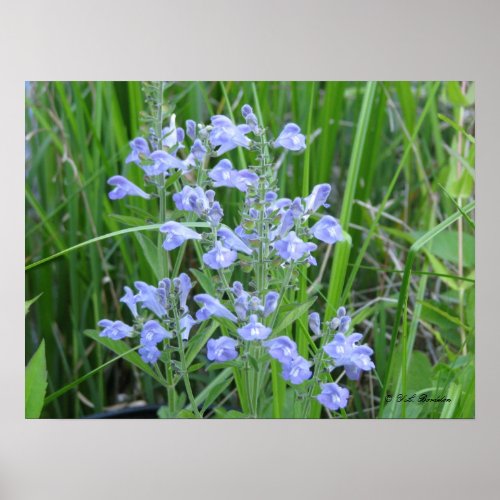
(400, 158)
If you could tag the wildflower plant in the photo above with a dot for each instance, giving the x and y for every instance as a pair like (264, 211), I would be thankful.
(236, 326)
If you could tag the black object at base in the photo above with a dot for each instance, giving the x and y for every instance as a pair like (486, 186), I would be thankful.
(147, 411)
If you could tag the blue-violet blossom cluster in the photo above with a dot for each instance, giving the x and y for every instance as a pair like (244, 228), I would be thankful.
(273, 231)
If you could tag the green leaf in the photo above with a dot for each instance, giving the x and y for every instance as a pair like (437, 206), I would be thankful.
(35, 383)
(127, 230)
(454, 395)
(470, 304)
(206, 282)
(225, 364)
(128, 220)
(462, 187)
(457, 127)
(419, 372)
(214, 393)
(196, 367)
(455, 95)
(437, 315)
(234, 414)
(292, 316)
(445, 245)
(173, 179)
(458, 207)
(254, 363)
(185, 414)
(150, 251)
(164, 412)
(29, 303)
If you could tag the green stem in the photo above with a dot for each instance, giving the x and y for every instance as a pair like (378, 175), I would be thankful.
(185, 376)
(288, 277)
(162, 255)
(170, 378)
(246, 375)
(182, 358)
(261, 267)
(317, 368)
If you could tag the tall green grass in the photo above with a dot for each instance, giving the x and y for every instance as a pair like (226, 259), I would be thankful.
(400, 158)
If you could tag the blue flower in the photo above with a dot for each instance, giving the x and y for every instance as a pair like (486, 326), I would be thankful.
(241, 306)
(254, 304)
(333, 396)
(177, 234)
(254, 213)
(181, 199)
(186, 199)
(230, 240)
(291, 138)
(345, 352)
(163, 161)
(212, 307)
(123, 187)
(115, 330)
(198, 150)
(250, 117)
(246, 109)
(169, 134)
(244, 179)
(153, 333)
(280, 206)
(282, 348)
(253, 123)
(287, 222)
(360, 361)
(140, 150)
(254, 330)
(341, 347)
(270, 197)
(215, 214)
(315, 323)
(180, 136)
(246, 237)
(238, 289)
(183, 286)
(318, 197)
(165, 285)
(131, 300)
(210, 195)
(293, 248)
(219, 257)
(151, 298)
(192, 200)
(341, 322)
(270, 303)
(297, 370)
(345, 322)
(296, 208)
(327, 229)
(311, 260)
(221, 349)
(150, 354)
(223, 174)
(191, 129)
(185, 325)
(227, 135)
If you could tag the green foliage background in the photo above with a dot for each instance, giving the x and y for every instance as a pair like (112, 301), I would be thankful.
(400, 158)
